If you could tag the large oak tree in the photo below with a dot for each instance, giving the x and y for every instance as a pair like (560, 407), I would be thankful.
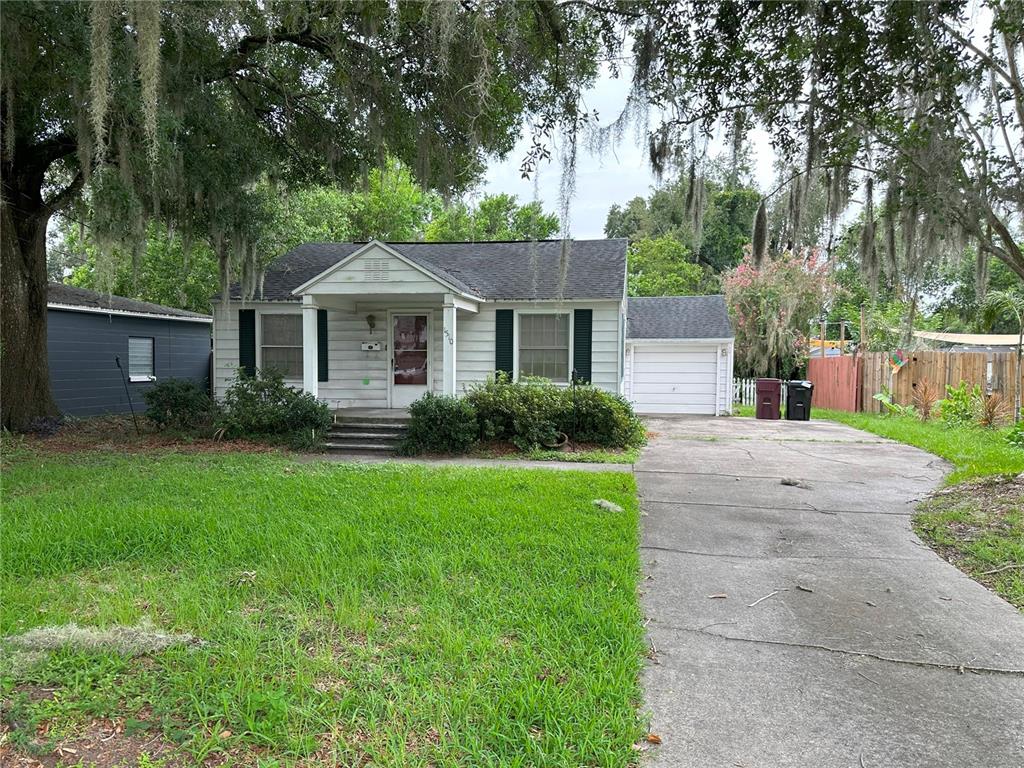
(138, 112)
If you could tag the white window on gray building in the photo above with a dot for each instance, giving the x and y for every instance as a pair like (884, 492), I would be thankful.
(140, 358)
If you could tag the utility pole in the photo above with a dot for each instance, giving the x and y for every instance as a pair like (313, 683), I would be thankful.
(821, 337)
(863, 332)
(842, 337)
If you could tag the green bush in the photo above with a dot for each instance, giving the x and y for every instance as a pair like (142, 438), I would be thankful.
(1015, 436)
(962, 404)
(600, 418)
(531, 413)
(179, 404)
(524, 413)
(440, 424)
(264, 407)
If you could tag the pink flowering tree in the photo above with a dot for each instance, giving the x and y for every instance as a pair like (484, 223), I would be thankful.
(772, 308)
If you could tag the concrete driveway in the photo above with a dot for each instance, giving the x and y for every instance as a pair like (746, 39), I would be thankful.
(809, 626)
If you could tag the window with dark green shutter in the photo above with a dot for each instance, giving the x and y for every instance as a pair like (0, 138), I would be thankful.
(503, 340)
(247, 341)
(321, 345)
(582, 343)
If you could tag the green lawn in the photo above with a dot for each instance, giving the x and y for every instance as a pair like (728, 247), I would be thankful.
(399, 615)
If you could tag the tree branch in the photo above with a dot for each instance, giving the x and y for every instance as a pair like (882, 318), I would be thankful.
(66, 195)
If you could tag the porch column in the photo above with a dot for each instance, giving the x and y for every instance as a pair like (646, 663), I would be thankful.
(309, 346)
(448, 345)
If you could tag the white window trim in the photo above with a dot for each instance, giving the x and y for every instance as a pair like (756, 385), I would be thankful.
(542, 311)
(152, 361)
(260, 312)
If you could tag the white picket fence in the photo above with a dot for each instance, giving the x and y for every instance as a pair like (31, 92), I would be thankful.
(744, 392)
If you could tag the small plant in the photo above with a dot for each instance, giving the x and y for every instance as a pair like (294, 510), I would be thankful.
(263, 406)
(178, 404)
(961, 405)
(1015, 436)
(993, 410)
(441, 424)
(890, 406)
(925, 399)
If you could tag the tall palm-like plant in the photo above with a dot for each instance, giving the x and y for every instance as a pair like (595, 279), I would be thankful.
(1008, 303)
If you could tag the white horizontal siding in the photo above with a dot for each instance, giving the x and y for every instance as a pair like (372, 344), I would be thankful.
(364, 275)
(476, 337)
(358, 378)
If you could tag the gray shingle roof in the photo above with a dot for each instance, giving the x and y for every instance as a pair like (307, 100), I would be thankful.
(528, 270)
(678, 317)
(58, 293)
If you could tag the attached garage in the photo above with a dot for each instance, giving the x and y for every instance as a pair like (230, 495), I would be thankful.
(679, 355)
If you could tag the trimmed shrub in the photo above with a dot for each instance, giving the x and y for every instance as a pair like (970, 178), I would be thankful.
(524, 413)
(440, 424)
(599, 417)
(264, 407)
(178, 404)
(531, 413)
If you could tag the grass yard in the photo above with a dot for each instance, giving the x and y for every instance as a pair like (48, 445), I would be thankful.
(316, 613)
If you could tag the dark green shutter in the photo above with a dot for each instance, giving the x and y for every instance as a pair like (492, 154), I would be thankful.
(247, 341)
(503, 340)
(321, 345)
(582, 343)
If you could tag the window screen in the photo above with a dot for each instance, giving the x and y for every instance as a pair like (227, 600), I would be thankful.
(544, 346)
(140, 358)
(281, 345)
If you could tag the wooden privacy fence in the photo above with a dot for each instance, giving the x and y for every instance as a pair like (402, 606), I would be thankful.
(836, 382)
(850, 383)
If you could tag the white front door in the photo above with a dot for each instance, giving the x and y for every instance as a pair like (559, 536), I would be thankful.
(410, 359)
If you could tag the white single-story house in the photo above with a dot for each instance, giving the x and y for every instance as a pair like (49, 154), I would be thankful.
(377, 325)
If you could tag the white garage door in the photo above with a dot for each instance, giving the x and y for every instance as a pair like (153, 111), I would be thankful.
(674, 378)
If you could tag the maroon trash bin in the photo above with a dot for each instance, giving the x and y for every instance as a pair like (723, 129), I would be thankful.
(769, 398)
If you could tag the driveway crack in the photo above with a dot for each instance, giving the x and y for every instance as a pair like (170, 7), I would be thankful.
(958, 668)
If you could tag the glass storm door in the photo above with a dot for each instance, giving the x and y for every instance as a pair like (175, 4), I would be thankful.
(409, 362)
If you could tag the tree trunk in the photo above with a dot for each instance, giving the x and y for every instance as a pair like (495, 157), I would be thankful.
(24, 373)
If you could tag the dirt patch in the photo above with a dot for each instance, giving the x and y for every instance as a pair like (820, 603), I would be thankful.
(978, 526)
(118, 434)
(103, 744)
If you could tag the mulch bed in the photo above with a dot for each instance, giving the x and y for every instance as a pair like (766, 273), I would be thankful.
(117, 434)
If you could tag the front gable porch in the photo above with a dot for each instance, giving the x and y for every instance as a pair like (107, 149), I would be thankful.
(396, 323)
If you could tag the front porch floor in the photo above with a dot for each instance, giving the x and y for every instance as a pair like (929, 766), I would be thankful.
(355, 414)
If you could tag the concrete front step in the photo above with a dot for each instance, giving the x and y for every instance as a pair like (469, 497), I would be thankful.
(360, 447)
(365, 434)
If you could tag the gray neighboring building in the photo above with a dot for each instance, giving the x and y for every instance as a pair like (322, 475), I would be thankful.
(87, 330)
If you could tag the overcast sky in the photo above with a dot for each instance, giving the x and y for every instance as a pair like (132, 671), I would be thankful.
(616, 176)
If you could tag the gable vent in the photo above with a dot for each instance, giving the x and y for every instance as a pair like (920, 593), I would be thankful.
(375, 270)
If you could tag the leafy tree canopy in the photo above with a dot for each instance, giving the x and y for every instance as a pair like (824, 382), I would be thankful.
(193, 114)
(495, 217)
(663, 266)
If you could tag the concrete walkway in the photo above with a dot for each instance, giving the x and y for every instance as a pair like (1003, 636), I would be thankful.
(809, 626)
